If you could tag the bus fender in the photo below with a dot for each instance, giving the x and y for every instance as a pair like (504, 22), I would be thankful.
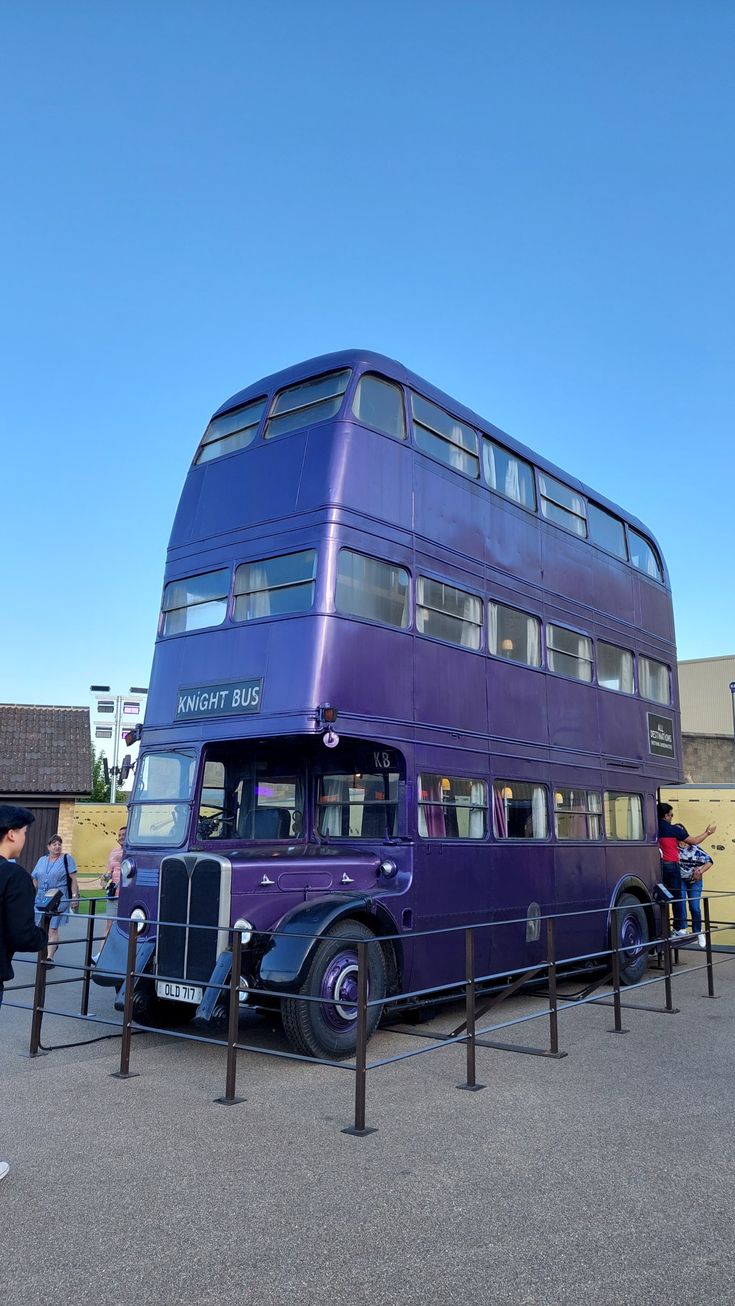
(213, 993)
(113, 959)
(295, 938)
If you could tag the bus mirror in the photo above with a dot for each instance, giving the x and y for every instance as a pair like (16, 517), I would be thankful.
(126, 768)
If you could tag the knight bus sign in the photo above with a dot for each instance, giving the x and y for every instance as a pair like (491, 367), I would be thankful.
(224, 699)
(497, 639)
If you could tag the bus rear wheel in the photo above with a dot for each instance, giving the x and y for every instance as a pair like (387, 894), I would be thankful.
(329, 1029)
(634, 936)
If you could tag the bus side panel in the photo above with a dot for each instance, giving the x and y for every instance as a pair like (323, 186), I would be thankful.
(516, 703)
(369, 671)
(655, 614)
(623, 730)
(450, 687)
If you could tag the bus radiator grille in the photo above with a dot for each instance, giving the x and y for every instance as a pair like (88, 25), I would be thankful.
(190, 895)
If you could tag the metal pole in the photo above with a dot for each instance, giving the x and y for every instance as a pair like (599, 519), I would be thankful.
(116, 749)
(669, 1004)
(470, 994)
(553, 1012)
(229, 1098)
(91, 918)
(615, 942)
(39, 998)
(359, 1126)
(124, 1072)
(708, 935)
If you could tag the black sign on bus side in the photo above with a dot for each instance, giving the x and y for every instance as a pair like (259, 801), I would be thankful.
(660, 735)
(214, 700)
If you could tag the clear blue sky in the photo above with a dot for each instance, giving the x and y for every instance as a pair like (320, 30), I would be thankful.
(528, 202)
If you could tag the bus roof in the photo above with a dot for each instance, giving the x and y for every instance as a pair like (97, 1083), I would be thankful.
(390, 367)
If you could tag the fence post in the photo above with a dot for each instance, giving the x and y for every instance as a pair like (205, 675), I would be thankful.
(359, 1128)
(229, 1098)
(669, 1006)
(553, 1011)
(708, 935)
(91, 919)
(125, 1072)
(39, 998)
(615, 958)
(470, 993)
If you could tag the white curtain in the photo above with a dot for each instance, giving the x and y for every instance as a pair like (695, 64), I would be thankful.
(539, 812)
(492, 627)
(471, 619)
(533, 635)
(258, 603)
(512, 481)
(635, 822)
(456, 455)
(478, 801)
(332, 797)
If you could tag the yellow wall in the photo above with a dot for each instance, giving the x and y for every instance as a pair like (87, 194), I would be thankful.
(695, 806)
(95, 834)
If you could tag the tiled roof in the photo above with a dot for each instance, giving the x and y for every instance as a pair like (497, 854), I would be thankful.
(44, 750)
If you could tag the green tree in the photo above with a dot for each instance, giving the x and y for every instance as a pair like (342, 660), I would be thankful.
(100, 791)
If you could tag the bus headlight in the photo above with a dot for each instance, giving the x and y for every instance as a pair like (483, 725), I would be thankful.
(245, 930)
(138, 917)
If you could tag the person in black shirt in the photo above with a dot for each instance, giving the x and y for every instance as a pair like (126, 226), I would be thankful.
(18, 929)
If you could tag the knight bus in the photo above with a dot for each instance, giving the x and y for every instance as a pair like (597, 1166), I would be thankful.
(408, 675)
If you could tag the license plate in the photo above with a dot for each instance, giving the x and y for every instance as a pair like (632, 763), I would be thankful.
(178, 992)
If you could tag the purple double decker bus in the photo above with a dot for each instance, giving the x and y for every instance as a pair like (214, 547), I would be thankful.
(408, 675)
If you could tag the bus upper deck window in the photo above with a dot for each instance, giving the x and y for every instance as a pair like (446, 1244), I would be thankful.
(308, 402)
(275, 586)
(562, 505)
(654, 680)
(607, 531)
(195, 602)
(379, 403)
(438, 433)
(510, 476)
(643, 555)
(230, 431)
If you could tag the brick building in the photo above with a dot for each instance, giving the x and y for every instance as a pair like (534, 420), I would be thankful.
(707, 720)
(45, 765)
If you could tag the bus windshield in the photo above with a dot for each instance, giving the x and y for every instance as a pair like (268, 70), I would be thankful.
(159, 808)
(250, 795)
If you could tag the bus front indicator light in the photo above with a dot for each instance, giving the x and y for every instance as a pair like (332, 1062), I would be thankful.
(138, 918)
(388, 868)
(245, 930)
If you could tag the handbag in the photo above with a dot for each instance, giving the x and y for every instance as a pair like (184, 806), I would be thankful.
(68, 877)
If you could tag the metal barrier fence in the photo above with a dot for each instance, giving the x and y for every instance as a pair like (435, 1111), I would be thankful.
(497, 986)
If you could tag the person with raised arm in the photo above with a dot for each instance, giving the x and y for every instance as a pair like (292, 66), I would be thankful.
(670, 835)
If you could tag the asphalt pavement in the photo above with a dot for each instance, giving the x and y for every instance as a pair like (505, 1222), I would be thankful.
(607, 1175)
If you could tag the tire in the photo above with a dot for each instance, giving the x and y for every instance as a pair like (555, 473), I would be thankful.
(634, 935)
(330, 1030)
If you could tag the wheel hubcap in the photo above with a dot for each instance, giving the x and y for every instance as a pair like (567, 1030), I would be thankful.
(340, 984)
(631, 936)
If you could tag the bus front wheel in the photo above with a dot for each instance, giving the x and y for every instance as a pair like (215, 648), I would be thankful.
(634, 936)
(329, 1028)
